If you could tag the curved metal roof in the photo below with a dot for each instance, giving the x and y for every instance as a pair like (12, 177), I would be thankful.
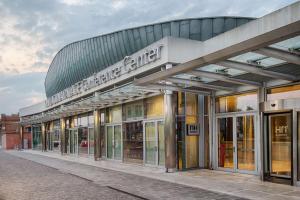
(81, 59)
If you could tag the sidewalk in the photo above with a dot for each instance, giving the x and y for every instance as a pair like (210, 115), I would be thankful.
(242, 185)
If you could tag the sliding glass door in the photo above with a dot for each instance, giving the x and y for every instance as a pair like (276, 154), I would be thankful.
(236, 142)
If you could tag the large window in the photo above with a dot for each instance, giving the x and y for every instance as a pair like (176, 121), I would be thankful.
(115, 114)
(154, 106)
(134, 110)
(288, 92)
(37, 137)
(236, 103)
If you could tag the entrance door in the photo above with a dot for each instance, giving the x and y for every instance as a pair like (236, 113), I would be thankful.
(236, 143)
(154, 140)
(280, 145)
(73, 142)
(114, 142)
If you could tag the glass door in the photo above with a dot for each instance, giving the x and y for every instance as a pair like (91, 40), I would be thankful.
(73, 142)
(280, 145)
(109, 136)
(154, 140)
(117, 142)
(236, 143)
(150, 143)
(91, 141)
(114, 142)
(225, 143)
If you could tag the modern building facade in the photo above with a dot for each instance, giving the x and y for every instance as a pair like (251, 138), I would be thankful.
(220, 93)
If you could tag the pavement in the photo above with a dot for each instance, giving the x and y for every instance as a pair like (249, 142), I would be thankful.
(31, 176)
(154, 183)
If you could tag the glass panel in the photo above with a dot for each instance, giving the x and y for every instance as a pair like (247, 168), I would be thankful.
(134, 110)
(280, 138)
(91, 141)
(133, 142)
(37, 137)
(180, 103)
(83, 121)
(225, 138)
(161, 143)
(192, 141)
(73, 141)
(56, 136)
(103, 141)
(245, 142)
(109, 142)
(155, 106)
(236, 103)
(117, 143)
(150, 143)
(288, 92)
(91, 119)
(83, 141)
(180, 120)
(115, 114)
(206, 142)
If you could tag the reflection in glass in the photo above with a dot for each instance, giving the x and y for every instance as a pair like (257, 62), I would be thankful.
(91, 141)
(225, 142)
(133, 142)
(236, 103)
(83, 141)
(287, 92)
(117, 142)
(134, 110)
(150, 143)
(192, 141)
(161, 143)
(280, 138)
(245, 142)
(109, 142)
(155, 106)
(73, 141)
(37, 137)
(115, 114)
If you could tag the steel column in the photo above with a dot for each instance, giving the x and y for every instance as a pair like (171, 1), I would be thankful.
(63, 148)
(170, 132)
(97, 138)
(262, 98)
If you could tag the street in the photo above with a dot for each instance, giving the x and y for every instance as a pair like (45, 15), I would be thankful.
(21, 178)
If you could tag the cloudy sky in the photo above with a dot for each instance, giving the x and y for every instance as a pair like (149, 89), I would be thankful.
(32, 31)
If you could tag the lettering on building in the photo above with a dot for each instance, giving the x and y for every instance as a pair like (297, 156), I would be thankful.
(129, 64)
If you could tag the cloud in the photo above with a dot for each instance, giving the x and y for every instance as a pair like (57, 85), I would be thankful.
(32, 31)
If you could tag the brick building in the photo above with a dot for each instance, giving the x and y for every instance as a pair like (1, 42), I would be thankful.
(10, 132)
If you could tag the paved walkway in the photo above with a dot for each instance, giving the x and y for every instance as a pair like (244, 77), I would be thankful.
(242, 185)
(23, 179)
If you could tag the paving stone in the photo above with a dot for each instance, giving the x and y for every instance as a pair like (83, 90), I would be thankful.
(30, 177)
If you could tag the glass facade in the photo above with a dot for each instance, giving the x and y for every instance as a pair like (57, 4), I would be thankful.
(37, 137)
(245, 142)
(225, 138)
(288, 92)
(187, 144)
(237, 103)
(133, 142)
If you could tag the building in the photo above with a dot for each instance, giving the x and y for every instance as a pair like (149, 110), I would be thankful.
(10, 133)
(221, 93)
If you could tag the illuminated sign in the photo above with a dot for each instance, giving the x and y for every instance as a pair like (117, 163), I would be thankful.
(129, 64)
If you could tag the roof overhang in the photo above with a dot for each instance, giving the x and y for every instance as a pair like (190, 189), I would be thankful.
(273, 38)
